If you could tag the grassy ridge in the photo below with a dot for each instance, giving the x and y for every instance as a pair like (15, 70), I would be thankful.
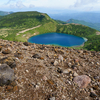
(78, 30)
(23, 20)
(92, 25)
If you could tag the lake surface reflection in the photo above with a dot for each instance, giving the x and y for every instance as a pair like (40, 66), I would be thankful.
(60, 39)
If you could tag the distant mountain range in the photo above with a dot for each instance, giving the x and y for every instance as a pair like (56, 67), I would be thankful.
(92, 25)
(3, 13)
(86, 16)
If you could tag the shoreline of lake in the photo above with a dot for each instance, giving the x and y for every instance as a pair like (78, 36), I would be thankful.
(85, 39)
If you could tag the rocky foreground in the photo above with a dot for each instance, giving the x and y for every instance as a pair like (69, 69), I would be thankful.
(39, 72)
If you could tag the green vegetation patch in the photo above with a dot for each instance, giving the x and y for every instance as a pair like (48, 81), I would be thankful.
(45, 28)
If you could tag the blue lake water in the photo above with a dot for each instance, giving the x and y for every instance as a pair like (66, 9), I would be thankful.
(60, 39)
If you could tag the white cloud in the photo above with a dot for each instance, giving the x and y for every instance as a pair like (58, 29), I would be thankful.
(84, 2)
(86, 5)
(50, 3)
(20, 5)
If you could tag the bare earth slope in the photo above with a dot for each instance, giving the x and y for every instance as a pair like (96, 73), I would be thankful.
(28, 29)
(47, 72)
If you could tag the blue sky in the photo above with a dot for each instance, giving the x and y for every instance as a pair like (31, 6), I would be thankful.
(49, 5)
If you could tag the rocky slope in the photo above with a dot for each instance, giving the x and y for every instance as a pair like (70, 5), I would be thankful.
(40, 72)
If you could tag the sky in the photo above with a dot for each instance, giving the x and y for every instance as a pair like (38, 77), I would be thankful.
(50, 6)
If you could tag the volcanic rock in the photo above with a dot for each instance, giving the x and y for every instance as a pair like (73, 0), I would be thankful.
(9, 61)
(6, 74)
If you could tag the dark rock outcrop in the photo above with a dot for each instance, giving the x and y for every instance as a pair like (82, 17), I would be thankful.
(9, 61)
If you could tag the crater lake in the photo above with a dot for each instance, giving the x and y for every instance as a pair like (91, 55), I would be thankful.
(60, 39)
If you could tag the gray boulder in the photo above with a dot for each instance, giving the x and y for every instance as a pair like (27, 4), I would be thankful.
(6, 74)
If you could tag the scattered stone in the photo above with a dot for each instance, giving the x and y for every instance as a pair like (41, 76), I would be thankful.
(0, 48)
(52, 98)
(55, 62)
(66, 71)
(37, 86)
(13, 83)
(96, 87)
(73, 66)
(27, 71)
(26, 43)
(75, 74)
(76, 60)
(6, 51)
(59, 70)
(45, 78)
(18, 54)
(98, 63)
(9, 61)
(36, 56)
(80, 51)
(60, 57)
(9, 88)
(82, 81)
(41, 58)
(93, 95)
(51, 82)
(6, 74)
(40, 66)
(15, 88)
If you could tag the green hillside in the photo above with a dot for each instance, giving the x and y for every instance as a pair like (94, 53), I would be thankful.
(61, 22)
(92, 25)
(22, 25)
(1, 17)
(93, 42)
(24, 20)
(12, 24)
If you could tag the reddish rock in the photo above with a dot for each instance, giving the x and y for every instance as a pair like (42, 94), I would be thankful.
(45, 78)
(41, 58)
(50, 82)
(9, 88)
(82, 81)
(15, 88)
(76, 60)
(0, 48)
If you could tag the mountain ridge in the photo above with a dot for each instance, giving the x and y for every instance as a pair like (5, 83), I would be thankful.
(92, 25)
(12, 24)
(86, 16)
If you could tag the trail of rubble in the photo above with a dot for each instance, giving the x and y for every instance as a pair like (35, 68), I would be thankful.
(28, 29)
